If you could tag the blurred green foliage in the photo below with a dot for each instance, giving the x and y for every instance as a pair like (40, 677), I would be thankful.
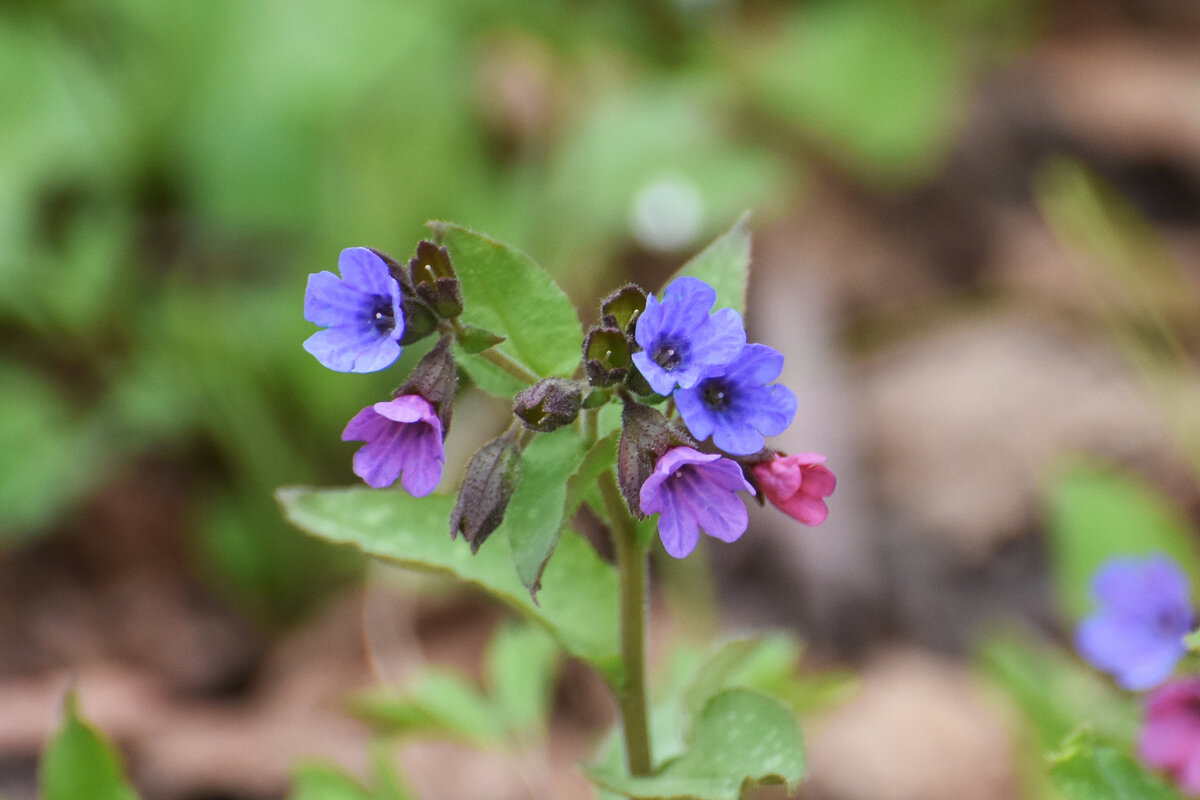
(169, 174)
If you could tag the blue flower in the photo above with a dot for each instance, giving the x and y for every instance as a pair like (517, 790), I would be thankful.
(734, 405)
(403, 435)
(680, 341)
(693, 491)
(1145, 611)
(360, 312)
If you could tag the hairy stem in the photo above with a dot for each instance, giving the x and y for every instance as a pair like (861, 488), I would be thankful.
(498, 358)
(631, 567)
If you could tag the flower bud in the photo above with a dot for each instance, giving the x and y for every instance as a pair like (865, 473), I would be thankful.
(549, 404)
(645, 436)
(436, 379)
(606, 356)
(622, 308)
(491, 478)
(434, 280)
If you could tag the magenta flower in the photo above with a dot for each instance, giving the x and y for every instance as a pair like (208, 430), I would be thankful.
(403, 435)
(693, 492)
(797, 485)
(680, 341)
(735, 405)
(360, 312)
(1170, 738)
(1137, 632)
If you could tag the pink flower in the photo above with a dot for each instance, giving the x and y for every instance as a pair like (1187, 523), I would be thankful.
(1171, 734)
(403, 435)
(796, 485)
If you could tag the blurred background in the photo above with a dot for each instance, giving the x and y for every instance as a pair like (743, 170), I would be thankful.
(977, 237)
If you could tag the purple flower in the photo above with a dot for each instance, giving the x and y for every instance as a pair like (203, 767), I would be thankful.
(1170, 738)
(403, 435)
(694, 491)
(680, 341)
(1145, 611)
(734, 405)
(360, 312)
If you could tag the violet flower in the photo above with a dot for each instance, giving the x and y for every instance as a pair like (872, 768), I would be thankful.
(797, 485)
(360, 312)
(403, 436)
(734, 405)
(1170, 738)
(680, 341)
(1145, 612)
(693, 492)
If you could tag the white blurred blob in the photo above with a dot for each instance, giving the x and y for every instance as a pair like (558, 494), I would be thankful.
(667, 213)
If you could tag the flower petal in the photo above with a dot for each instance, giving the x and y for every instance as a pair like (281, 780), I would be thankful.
(756, 364)
(720, 339)
(329, 302)
(719, 512)
(695, 412)
(423, 459)
(677, 530)
(365, 271)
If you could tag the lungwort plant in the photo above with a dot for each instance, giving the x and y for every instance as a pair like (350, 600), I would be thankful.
(655, 418)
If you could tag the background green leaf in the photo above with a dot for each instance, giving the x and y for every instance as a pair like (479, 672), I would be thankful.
(741, 737)
(1098, 514)
(1086, 769)
(520, 670)
(80, 763)
(505, 292)
(438, 704)
(724, 265)
(579, 591)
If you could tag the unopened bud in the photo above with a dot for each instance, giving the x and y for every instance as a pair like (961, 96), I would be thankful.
(606, 356)
(549, 404)
(491, 478)
(622, 308)
(434, 280)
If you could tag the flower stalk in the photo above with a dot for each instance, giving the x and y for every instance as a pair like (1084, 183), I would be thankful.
(631, 570)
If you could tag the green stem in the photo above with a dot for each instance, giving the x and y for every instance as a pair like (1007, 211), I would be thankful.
(498, 358)
(631, 568)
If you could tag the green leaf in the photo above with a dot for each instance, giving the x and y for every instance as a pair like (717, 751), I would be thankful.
(439, 704)
(1087, 769)
(602, 456)
(1096, 515)
(506, 292)
(520, 669)
(534, 517)
(79, 762)
(476, 340)
(319, 782)
(741, 737)
(579, 591)
(763, 663)
(724, 265)
(1056, 693)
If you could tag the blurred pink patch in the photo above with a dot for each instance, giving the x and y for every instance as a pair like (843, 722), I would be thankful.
(797, 484)
(1170, 738)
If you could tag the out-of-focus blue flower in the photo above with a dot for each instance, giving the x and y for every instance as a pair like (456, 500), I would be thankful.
(680, 341)
(693, 492)
(360, 312)
(734, 404)
(1144, 613)
(403, 435)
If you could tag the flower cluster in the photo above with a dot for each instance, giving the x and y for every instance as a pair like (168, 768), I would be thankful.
(363, 314)
(645, 352)
(1137, 635)
(724, 390)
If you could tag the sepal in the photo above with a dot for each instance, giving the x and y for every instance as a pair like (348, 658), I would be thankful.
(436, 379)
(622, 308)
(606, 356)
(491, 478)
(434, 280)
(549, 404)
